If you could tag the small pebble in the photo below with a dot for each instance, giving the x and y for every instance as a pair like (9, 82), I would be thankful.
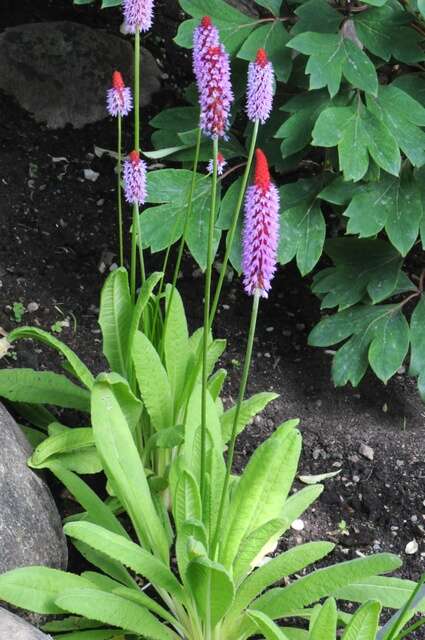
(91, 175)
(298, 525)
(366, 451)
(411, 547)
(32, 307)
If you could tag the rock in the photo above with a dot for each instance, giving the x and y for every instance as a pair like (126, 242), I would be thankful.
(30, 525)
(60, 71)
(411, 547)
(366, 451)
(298, 525)
(13, 627)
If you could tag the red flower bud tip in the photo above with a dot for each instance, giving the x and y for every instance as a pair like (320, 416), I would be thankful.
(117, 81)
(206, 22)
(134, 157)
(262, 58)
(262, 173)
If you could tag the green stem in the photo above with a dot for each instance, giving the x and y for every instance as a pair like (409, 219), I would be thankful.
(231, 451)
(185, 228)
(207, 300)
(232, 231)
(140, 243)
(120, 225)
(136, 148)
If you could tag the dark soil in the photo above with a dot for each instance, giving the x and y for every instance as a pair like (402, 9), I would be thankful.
(57, 241)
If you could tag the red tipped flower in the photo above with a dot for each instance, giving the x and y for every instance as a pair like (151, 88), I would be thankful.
(261, 230)
(135, 179)
(119, 101)
(216, 95)
(204, 37)
(260, 88)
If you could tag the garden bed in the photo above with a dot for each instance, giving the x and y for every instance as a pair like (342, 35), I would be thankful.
(57, 242)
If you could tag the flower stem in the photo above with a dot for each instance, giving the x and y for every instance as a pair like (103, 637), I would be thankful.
(184, 234)
(135, 225)
(231, 451)
(207, 301)
(232, 231)
(120, 225)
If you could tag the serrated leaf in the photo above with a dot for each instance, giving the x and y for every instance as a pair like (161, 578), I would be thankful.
(115, 318)
(272, 37)
(417, 339)
(249, 409)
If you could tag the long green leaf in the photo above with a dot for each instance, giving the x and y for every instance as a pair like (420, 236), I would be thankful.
(249, 409)
(124, 469)
(364, 624)
(212, 588)
(110, 608)
(176, 346)
(153, 381)
(42, 387)
(266, 626)
(78, 367)
(36, 588)
(262, 489)
(115, 317)
(64, 442)
(143, 299)
(126, 552)
(323, 627)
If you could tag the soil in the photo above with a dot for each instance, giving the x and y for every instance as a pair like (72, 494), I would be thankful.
(57, 242)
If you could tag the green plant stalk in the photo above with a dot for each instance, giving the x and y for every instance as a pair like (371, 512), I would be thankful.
(207, 300)
(119, 194)
(183, 238)
(232, 231)
(135, 225)
(242, 390)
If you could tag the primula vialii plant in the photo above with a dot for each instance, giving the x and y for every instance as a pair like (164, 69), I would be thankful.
(182, 548)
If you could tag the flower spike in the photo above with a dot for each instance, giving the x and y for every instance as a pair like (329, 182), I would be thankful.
(138, 14)
(261, 230)
(135, 179)
(216, 95)
(205, 36)
(119, 100)
(221, 164)
(260, 88)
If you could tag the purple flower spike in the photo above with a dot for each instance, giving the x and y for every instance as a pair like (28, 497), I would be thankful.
(216, 94)
(119, 101)
(138, 14)
(135, 179)
(204, 37)
(260, 88)
(261, 230)
(221, 164)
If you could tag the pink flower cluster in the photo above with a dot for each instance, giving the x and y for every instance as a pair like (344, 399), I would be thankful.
(260, 88)
(138, 14)
(211, 64)
(261, 230)
(135, 179)
(119, 100)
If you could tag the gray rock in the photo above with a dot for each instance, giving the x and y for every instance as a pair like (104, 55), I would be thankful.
(12, 627)
(30, 525)
(60, 71)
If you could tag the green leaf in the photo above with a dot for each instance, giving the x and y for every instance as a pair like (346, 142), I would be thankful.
(266, 626)
(325, 623)
(78, 368)
(42, 387)
(272, 37)
(331, 57)
(170, 188)
(364, 624)
(279, 602)
(115, 318)
(36, 588)
(124, 469)
(403, 116)
(392, 593)
(358, 133)
(278, 568)
(303, 231)
(386, 32)
(94, 634)
(273, 5)
(142, 301)
(212, 588)
(297, 129)
(256, 545)
(318, 16)
(417, 339)
(130, 405)
(262, 488)
(249, 409)
(393, 204)
(389, 346)
(69, 440)
(153, 381)
(125, 552)
(362, 267)
(110, 608)
(176, 346)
